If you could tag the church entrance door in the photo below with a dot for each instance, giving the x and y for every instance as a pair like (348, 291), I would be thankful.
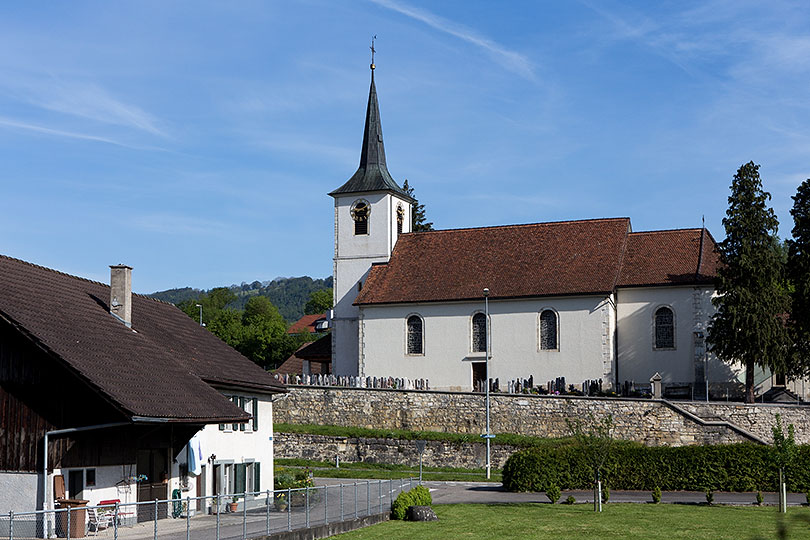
(479, 374)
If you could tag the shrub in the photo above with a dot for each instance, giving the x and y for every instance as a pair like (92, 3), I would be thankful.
(709, 496)
(807, 498)
(605, 494)
(760, 499)
(553, 493)
(570, 500)
(656, 495)
(632, 466)
(418, 496)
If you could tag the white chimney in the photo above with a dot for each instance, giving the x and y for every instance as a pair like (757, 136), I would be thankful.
(121, 292)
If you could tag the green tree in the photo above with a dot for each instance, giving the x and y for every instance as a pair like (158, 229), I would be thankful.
(783, 453)
(595, 437)
(420, 222)
(798, 265)
(319, 302)
(748, 327)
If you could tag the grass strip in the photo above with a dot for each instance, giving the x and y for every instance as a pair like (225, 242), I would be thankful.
(386, 471)
(626, 521)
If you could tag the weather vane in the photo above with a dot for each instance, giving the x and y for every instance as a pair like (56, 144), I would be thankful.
(373, 50)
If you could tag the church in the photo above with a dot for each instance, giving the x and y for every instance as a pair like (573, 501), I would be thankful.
(588, 300)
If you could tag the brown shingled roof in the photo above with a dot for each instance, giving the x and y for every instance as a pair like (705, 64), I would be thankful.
(307, 322)
(541, 259)
(164, 366)
(669, 258)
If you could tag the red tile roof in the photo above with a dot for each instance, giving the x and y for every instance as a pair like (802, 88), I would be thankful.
(543, 259)
(164, 366)
(307, 322)
(669, 258)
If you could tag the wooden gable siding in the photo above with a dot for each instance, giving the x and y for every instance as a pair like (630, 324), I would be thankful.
(37, 394)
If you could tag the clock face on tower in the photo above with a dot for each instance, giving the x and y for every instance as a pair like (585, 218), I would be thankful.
(360, 212)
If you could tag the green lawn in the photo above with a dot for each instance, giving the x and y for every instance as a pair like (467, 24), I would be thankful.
(625, 521)
(386, 471)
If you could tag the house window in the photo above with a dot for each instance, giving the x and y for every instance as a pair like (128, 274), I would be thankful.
(90, 477)
(360, 212)
(548, 330)
(415, 343)
(235, 400)
(400, 218)
(479, 333)
(247, 405)
(664, 328)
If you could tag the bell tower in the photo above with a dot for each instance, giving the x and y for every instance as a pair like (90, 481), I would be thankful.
(371, 210)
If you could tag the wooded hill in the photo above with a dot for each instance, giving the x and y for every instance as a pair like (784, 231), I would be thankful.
(289, 295)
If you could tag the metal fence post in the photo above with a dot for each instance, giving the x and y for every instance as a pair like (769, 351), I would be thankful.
(326, 504)
(244, 515)
(306, 509)
(379, 494)
(368, 497)
(11, 525)
(67, 533)
(341, 501)
(355, 499)
(217, 509)
(188, 518)
(267, 514)
(115, 521)
(156, 514)
(289, 509)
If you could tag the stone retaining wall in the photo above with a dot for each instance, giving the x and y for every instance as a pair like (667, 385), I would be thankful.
(401, 452)
(649, 421)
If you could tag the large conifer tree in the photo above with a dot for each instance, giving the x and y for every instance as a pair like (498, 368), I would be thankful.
(799, 275)
(749, 324)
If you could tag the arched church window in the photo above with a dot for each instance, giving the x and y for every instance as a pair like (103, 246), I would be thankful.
(415, 341)
(548, 330)
(360, 212)
(479, 333)
(664, 328)
(400, 218)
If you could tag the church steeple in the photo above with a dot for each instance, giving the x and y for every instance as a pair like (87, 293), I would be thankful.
(372, 174)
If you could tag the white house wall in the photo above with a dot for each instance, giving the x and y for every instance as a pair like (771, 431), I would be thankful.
(585, 329)
(638, 359)
(234, 447)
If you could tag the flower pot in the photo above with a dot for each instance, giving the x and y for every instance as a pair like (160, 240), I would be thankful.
(233, 506)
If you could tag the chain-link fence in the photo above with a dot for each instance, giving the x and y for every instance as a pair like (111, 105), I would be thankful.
(222, 517)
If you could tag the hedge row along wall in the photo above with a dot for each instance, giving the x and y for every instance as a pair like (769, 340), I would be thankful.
(732, 467)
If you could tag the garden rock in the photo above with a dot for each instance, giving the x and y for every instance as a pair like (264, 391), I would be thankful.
(422, 513)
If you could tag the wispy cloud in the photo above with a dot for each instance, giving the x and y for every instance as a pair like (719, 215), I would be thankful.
(7, 122)
(508, 59)
(78, 98)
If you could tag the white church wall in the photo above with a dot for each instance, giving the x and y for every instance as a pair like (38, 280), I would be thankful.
(584, 338)
(638, 360)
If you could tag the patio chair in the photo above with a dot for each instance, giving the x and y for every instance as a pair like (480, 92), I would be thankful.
(96, 521)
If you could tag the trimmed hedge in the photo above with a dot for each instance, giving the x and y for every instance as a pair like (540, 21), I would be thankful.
(630, 466)
(418, 496)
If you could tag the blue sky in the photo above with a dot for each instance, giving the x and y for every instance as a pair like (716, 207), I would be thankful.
(196, 141)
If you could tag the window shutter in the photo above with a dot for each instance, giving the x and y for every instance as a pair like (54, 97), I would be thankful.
(256, 416)
(235, 400)
(242, 406)
(256, 477)
(239, 478)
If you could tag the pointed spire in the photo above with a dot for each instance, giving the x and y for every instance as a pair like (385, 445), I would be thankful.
(372, 174)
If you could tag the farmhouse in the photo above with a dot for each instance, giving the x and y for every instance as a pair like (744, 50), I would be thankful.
(101, 391)
(588, 300)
